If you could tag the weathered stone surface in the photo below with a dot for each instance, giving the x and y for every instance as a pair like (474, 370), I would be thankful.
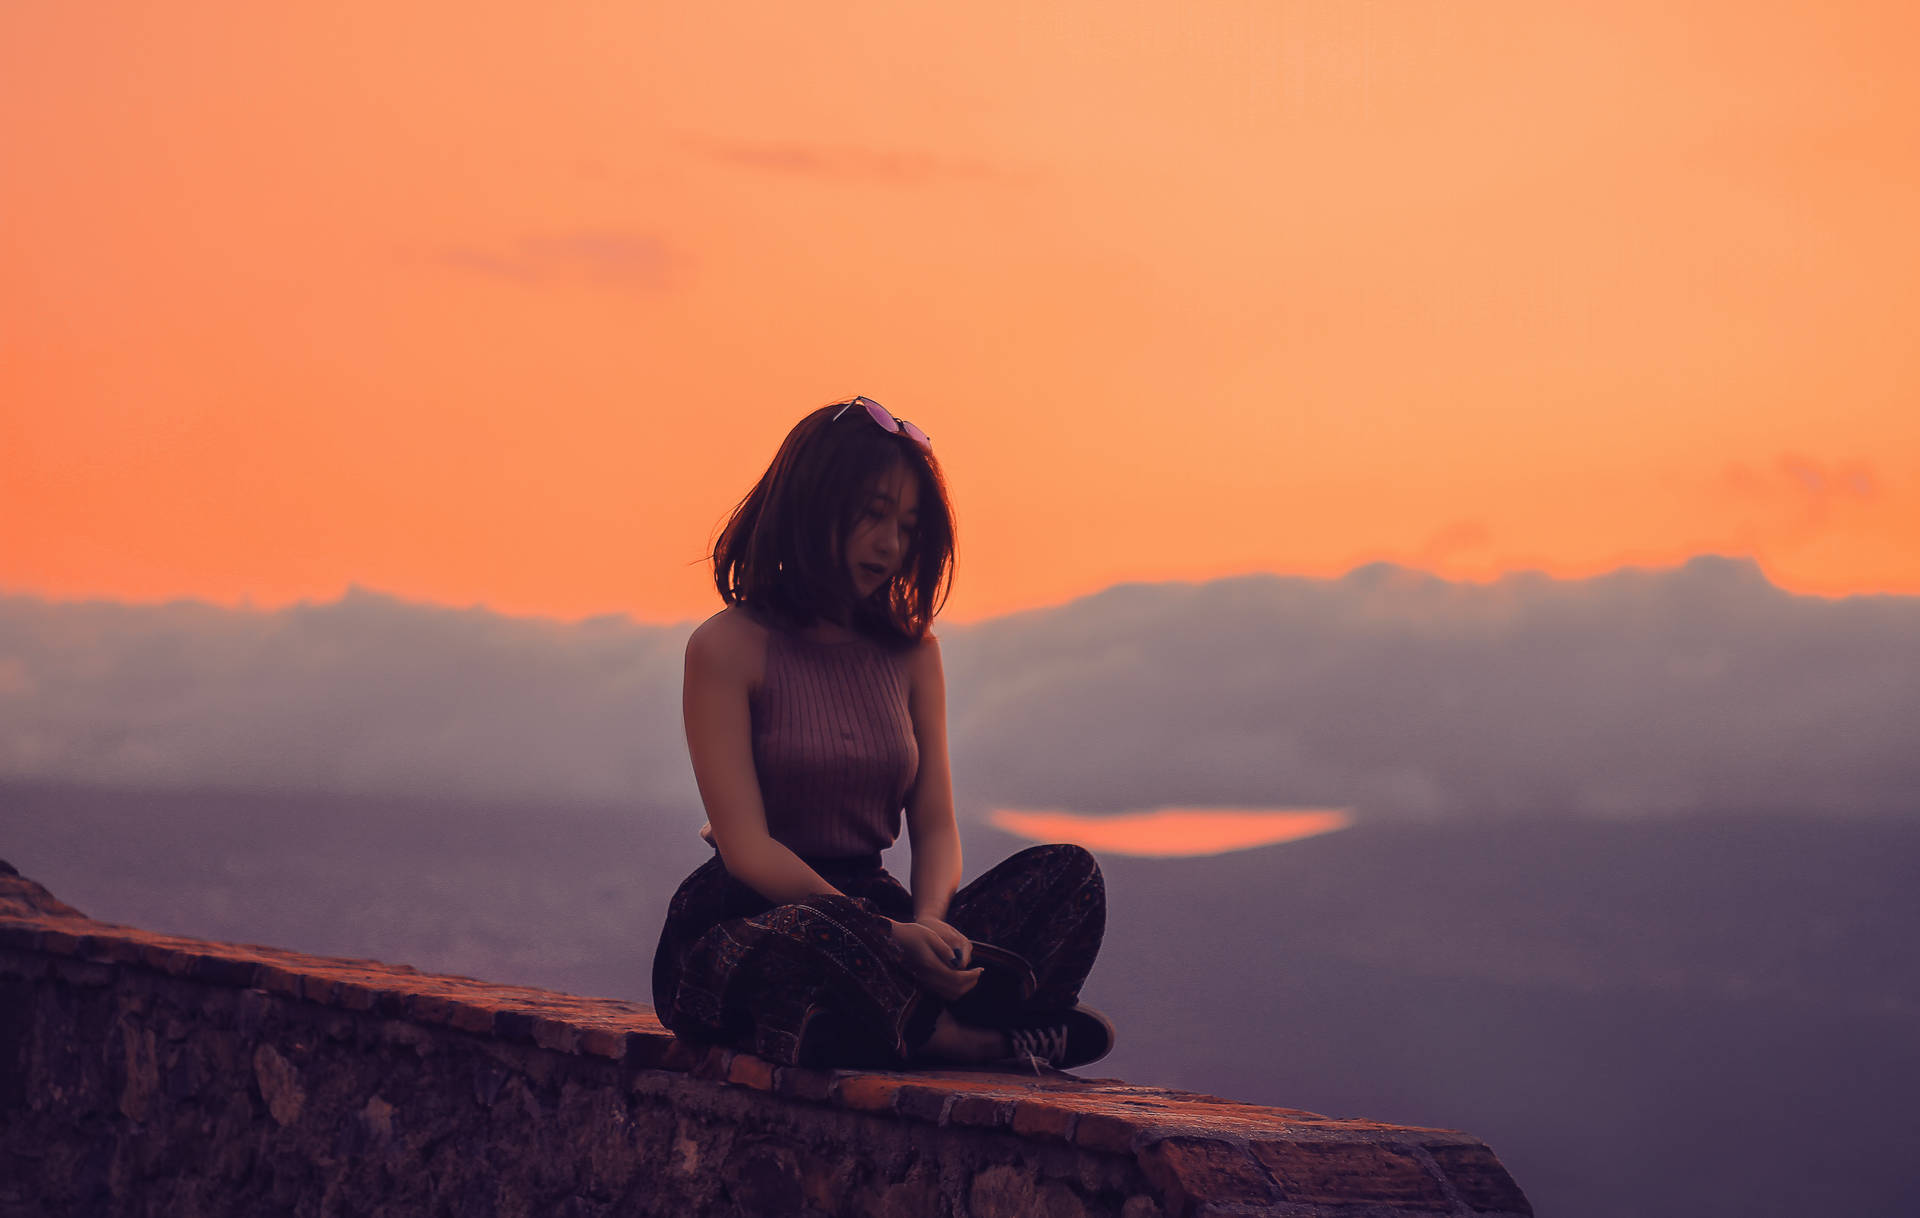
(868, 1093)
(746, 1070)
(1105, 1131)
(764, 1178)
(1188, 1172)
(981, 1111)
(1350, 1173)
(1479, 1178)
(1036, 1119)
(279, 1084)
(141, 1072)
(1004, 1191)
(82, 972)
(144, 1073)
(916, 1196)
(21, 898)
(610, 1043)
(923, 1103)
(795, 1083)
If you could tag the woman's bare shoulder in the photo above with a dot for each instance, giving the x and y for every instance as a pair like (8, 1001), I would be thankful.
(923, 659)
(731, 641)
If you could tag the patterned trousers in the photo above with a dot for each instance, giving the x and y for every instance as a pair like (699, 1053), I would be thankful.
(820, 982)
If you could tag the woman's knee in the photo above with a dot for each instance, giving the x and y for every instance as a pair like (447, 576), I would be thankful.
(1064, 859)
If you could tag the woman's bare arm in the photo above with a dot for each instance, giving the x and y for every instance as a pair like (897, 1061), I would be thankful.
(719, 740)
(930, 822)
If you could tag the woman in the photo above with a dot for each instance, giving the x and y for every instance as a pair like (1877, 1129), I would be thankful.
(815, 713)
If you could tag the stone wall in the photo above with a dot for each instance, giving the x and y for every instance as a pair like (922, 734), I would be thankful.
(151, 1074)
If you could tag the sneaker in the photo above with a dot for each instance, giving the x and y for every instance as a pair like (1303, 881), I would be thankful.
(1077, 1038)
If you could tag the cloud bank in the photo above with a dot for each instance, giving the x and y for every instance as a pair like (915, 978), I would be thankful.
(1641, 692)
(367, 695)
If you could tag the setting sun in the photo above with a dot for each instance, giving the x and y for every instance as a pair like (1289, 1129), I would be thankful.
(1174, 832)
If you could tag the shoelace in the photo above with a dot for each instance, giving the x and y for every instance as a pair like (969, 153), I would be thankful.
(1039, 1046)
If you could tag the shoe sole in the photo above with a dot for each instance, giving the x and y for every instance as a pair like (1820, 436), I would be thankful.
(1108, 1035)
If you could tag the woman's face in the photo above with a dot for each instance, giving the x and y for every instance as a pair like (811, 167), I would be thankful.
(884, 531)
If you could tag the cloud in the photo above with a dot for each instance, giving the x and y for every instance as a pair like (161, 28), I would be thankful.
(1806, 489)
(1397, 693)
(1456, 537)
(1701, 688)
(366, 695)
(630, 261)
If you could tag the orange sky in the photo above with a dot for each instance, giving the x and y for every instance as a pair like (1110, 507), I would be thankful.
(477, 306)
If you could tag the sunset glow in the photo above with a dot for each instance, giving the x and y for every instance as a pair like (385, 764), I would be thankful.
(491, 304)
(1174, 832)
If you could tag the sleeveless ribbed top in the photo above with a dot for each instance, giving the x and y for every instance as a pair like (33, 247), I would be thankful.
(833, 744)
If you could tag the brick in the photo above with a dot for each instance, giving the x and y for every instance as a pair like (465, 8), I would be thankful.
(1106, 1132)
(1191, 1172)
(746, 1070)
(224, 970)
(1481, 1179)
(923, 1103)
(515, 1026)
(604, 1042)
(799, 1083)
(1350, 1173)
(558, 1035)
(1037, 1119)
(867, 1092)
(156, 956)
(981, 1112)
(391, 1004)
(470, 1017)
(425, 1008)
(277, 980)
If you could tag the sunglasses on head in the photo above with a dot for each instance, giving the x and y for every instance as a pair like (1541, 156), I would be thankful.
(880, 415)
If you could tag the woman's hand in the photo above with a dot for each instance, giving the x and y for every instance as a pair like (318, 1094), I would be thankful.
(959, 947)
(929, 958)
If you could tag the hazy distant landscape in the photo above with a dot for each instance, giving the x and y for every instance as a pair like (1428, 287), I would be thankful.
(1717, 1013)
(1670, 692)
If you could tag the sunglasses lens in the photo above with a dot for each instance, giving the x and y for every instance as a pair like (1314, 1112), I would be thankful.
(882, 416)
(878, 412)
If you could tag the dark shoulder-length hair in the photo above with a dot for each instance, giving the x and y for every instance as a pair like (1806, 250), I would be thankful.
(779, 554)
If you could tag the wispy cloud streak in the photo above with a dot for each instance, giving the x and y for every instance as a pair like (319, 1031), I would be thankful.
(632, 261)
